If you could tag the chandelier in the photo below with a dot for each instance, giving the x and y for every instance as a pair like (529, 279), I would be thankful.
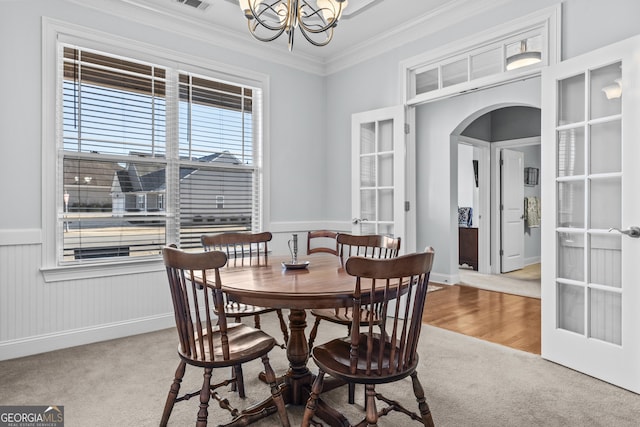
(316, 19)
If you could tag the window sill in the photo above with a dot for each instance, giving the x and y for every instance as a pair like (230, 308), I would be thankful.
(93, 271)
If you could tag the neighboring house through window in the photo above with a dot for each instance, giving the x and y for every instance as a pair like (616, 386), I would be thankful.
(151, 154)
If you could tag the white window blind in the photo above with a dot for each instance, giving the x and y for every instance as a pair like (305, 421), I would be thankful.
(133, 178)
(216, 152)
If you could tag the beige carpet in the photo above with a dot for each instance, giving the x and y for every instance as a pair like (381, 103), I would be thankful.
(468, 382)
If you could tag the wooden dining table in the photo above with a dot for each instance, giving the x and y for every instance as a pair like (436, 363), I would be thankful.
(322, 284)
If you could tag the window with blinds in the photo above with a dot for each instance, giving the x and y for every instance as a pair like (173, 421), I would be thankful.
(150, 155)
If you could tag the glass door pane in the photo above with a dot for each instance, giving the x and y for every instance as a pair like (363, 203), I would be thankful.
(605, 259)
(571, 256)
(589, 204)
(606, 147)
(606, 91)
(571, 308)
(606, 203)
(571, 100)
(571, 152)
(377, 177)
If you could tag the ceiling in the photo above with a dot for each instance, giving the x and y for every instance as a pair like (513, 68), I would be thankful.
(363, 30)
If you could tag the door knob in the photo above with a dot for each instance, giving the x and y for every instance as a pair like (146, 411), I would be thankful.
(632, 231)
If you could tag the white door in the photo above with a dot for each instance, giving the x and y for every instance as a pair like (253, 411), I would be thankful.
(378, 172)
(590, 153)
(512, 210)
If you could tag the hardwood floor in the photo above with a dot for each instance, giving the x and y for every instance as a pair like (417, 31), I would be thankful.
(505, 319)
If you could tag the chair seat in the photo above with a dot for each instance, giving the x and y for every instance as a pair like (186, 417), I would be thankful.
(334, 357)
(344, 316)
(234, 309)
(245, 344)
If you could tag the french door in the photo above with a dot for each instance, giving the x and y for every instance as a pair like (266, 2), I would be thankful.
(590, 250)
(378, 172)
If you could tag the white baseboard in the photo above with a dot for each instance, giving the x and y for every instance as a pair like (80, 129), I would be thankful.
(445, 279)
(50, 342)
(532, 260)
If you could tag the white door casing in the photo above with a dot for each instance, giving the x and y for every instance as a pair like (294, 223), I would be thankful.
(590, 176)
(378, 172)
(512, 210)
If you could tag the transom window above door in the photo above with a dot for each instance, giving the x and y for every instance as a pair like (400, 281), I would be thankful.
(516, 50)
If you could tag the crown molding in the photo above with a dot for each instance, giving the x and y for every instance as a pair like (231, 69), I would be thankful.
(203, 31)
(422, 26)
(158, 16)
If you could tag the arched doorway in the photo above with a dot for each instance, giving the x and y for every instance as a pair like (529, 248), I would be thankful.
(488, 244)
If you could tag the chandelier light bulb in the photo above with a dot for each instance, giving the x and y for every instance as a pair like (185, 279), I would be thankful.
(330, 8)
(314, 19)
(246, 9)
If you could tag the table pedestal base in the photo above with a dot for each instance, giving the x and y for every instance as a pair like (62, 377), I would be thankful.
(296, 383)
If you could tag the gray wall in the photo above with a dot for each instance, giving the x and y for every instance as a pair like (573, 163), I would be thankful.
(296, 133)
(504, 124)
(37, 316)
(480, 128)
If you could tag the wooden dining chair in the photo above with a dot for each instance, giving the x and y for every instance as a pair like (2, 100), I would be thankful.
(208, 341)
(370, 246)
(322, 241)
(241, 249)
(372, 358)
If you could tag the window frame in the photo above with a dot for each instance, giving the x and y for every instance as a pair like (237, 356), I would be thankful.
(56, 32)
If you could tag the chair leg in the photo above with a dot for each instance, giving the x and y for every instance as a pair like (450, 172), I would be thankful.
(256, 321)
(239, 380)
(173, 393)
(371, 416)
(314, 332)
(425, 412)
(283, 327)
(352, 393)
(205, 395)
(312, 402)
(234, 379)
(276, 393)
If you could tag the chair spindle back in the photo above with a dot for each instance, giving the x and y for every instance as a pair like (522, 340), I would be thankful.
(239, 247)
(401, 286)
(369, 246)
(327, 239)
(194, 302)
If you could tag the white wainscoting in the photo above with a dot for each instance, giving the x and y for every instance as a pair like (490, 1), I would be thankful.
(36, 316)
